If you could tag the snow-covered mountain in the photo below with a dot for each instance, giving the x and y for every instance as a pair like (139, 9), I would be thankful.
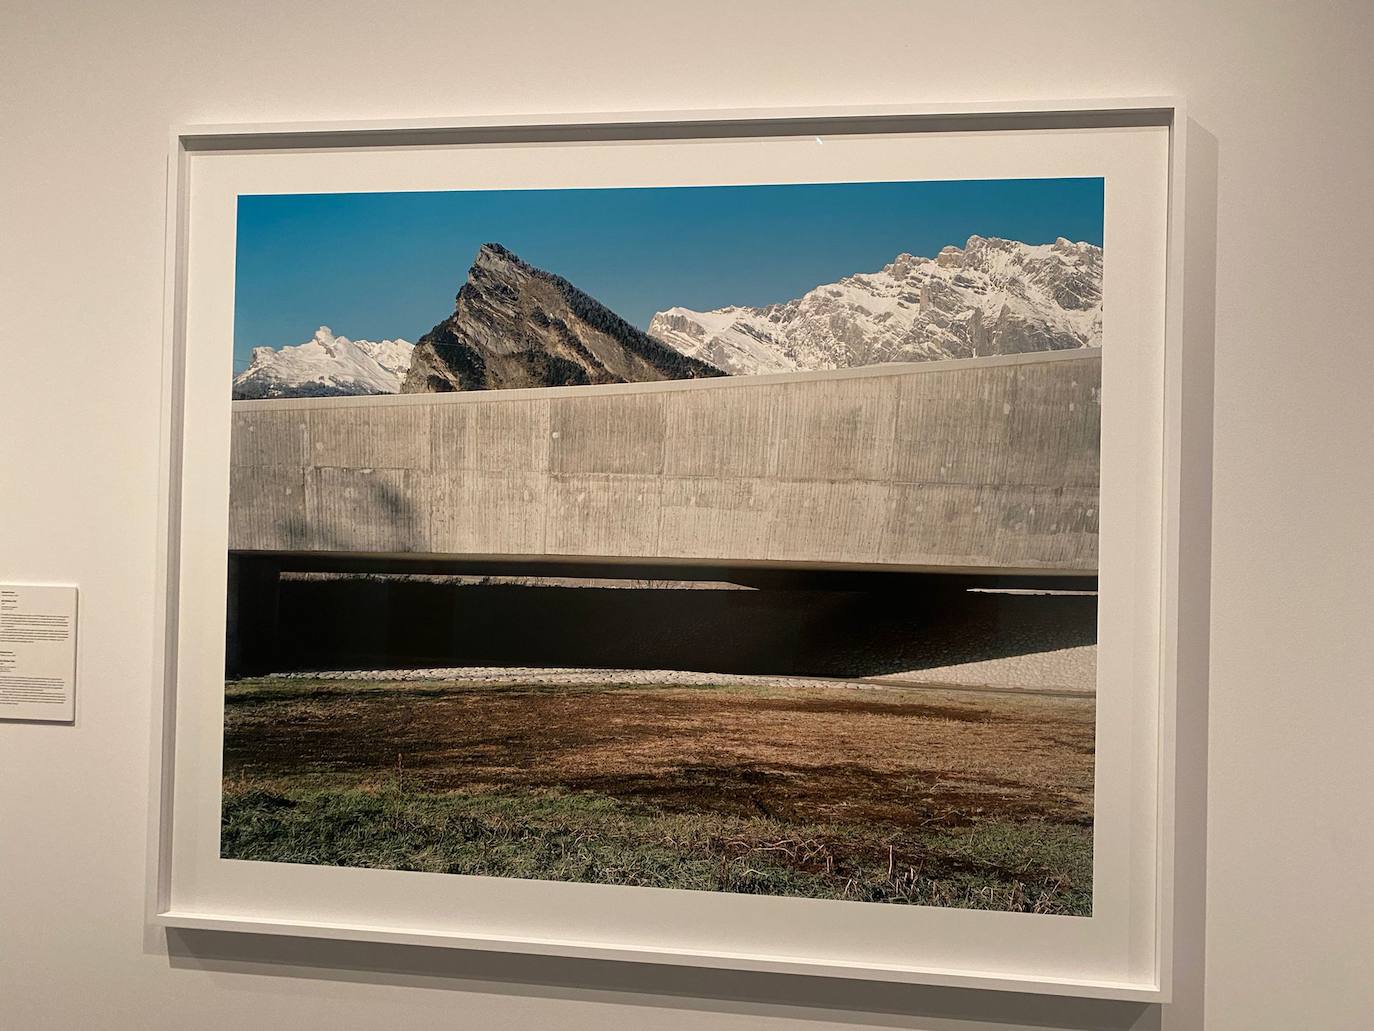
(991, 296)
(325, 366)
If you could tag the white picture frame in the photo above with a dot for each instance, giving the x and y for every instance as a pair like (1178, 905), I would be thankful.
(1154, 777)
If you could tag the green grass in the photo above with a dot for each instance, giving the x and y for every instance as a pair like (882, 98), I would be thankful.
(555, 834)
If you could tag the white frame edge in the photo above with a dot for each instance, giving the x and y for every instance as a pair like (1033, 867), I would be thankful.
(1183, 523)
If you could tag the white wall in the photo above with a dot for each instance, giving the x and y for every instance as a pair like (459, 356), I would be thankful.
(87, 92)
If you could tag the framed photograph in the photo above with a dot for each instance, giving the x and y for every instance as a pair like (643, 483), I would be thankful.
(746, 540)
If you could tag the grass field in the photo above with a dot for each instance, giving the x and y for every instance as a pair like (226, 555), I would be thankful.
(882, 795)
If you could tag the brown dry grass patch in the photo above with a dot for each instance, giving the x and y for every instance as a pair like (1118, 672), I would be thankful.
(914, 759)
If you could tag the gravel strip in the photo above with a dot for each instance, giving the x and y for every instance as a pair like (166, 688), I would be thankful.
(546, 677)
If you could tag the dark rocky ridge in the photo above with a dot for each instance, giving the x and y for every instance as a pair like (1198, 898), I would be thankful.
(514, 325)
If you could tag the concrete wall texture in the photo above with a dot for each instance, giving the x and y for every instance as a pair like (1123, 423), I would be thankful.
(984, 464)
(87, 92)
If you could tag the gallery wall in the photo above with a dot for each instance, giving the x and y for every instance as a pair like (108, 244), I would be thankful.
(1283, 92)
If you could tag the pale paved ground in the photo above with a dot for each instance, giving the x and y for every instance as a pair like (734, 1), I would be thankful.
(1062, 669)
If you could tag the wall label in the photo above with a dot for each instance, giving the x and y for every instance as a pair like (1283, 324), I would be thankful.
(37, 653)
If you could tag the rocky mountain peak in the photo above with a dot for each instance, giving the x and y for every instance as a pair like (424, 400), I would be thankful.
(495, 252)
(901, 265)
(516, 325)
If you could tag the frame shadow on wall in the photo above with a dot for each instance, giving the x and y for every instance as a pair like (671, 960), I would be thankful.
(702, 990)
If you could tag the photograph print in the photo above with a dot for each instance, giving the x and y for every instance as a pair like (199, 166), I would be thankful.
(713, 538)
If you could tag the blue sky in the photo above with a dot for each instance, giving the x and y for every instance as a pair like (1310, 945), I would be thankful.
(374, 265)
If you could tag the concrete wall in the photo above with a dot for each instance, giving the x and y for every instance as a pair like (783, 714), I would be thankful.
(984, 464)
